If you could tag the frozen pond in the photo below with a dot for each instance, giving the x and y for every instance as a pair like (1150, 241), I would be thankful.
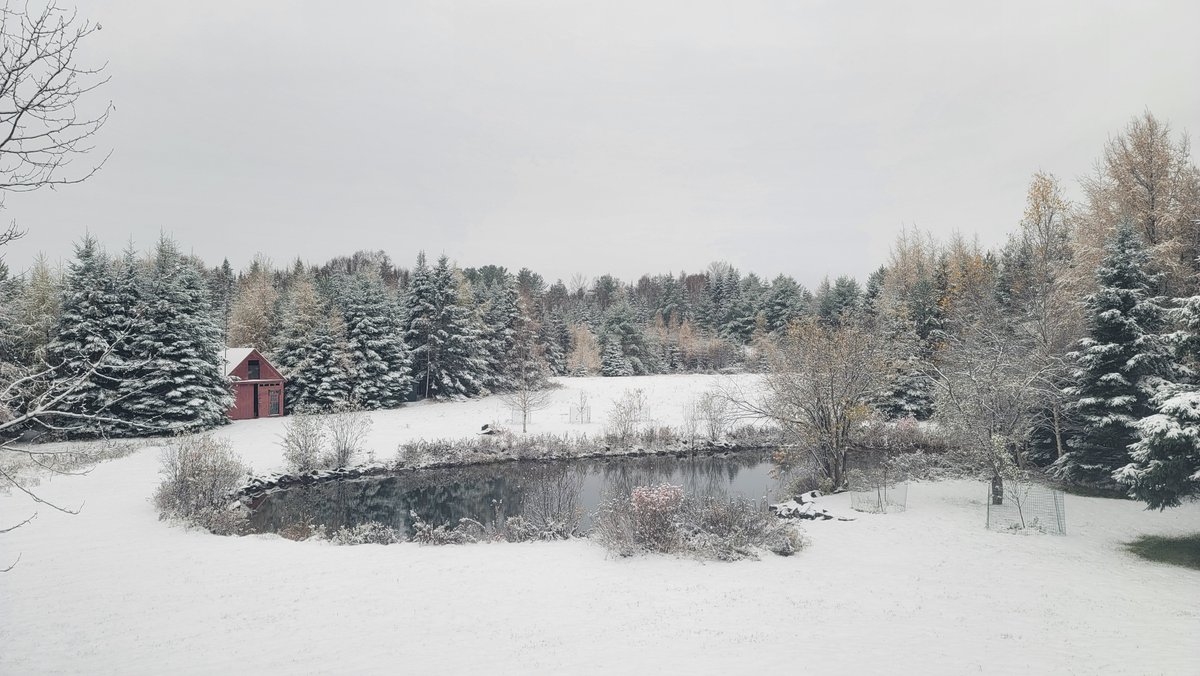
(531, 488)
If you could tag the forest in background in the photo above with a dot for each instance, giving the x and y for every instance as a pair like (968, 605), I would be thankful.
(139, 337)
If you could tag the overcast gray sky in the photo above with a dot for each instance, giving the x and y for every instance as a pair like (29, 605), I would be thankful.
(622, 137)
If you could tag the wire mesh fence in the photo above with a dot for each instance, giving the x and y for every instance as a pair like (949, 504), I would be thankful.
(580, 415)
(1016, 505)
(875, 486)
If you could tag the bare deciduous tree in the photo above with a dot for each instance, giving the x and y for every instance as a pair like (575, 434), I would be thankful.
(818, 387)
(990, 386)
(42, 130)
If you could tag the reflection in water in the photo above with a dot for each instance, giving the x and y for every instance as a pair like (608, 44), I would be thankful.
(536, 490)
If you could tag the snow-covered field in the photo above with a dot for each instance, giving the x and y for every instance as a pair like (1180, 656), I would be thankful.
(113, 590)
(257, 441)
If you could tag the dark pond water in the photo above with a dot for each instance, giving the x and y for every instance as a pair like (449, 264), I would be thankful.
(531, 489)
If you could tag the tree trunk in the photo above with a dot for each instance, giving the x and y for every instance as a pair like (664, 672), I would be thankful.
(1058, 442)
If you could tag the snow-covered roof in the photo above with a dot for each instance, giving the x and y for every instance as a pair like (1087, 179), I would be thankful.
(234, 356)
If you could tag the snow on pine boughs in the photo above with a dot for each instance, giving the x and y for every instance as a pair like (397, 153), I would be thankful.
(1121, 364)
(1165, 465)
(381, 362)
(443, 334)
(181, 386)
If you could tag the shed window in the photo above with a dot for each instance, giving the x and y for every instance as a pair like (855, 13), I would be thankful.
(253, 367)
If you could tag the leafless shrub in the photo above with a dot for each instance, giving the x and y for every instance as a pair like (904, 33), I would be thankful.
(550, 507)
(348, 432)
(199, 474)
(628, 411)
(303, 443)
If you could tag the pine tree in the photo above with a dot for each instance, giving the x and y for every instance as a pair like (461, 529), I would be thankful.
(613, 362)
(442, 334)
(321, 380)
(381, 366)
(130, 321)
(622, 334)
(501, 319)
(81, 351)
(784, 303)
(1121, 365)
(1165, 460)
(312, 351)
(183, 387)
(462, 368)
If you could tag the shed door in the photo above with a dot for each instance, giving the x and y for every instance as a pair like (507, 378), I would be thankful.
(273, 401)
(256, 401)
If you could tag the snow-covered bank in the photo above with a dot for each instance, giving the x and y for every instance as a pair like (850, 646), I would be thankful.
(114, 590)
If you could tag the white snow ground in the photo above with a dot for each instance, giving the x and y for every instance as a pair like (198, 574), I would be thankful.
(258, 440)
(113, 590)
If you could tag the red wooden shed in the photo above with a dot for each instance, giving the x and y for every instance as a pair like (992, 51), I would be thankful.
(257, 385)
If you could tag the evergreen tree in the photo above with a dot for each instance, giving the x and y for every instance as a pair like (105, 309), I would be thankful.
(130, 321)
(312, 352)
(623, 334)
(501, 319)
(1121, 365)
(321, 380)
(1165, 460)
(613, 362)
(380, 361)
(81, 351)
(183, 387)
(784, 303)
(442, 334)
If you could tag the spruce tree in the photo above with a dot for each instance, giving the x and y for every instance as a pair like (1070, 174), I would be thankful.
(321, 380)
(443, 334)
(613, 362)
(380, 363)
(81, 351)
(129, 321)
(622, 334)
(501, 320)
(312, 351)
(1121, 365)
(183, 385)
(1165, 460)
(461, 369)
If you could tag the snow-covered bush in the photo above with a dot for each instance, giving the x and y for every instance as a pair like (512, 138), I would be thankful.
(370, 533)
(467, 530)
(303, 443)
(655, 510)
(729, 529)
(662, 519)
(199, 475)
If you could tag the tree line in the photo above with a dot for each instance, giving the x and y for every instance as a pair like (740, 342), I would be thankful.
(1089, 303)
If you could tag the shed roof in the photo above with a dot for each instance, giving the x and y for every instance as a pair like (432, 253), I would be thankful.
(234, 356)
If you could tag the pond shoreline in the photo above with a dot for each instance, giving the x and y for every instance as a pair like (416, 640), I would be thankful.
(257, 487)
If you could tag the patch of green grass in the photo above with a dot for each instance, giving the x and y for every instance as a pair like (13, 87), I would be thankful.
(1183, 550)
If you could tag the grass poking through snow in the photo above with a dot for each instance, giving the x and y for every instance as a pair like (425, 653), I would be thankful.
(1183, 550)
